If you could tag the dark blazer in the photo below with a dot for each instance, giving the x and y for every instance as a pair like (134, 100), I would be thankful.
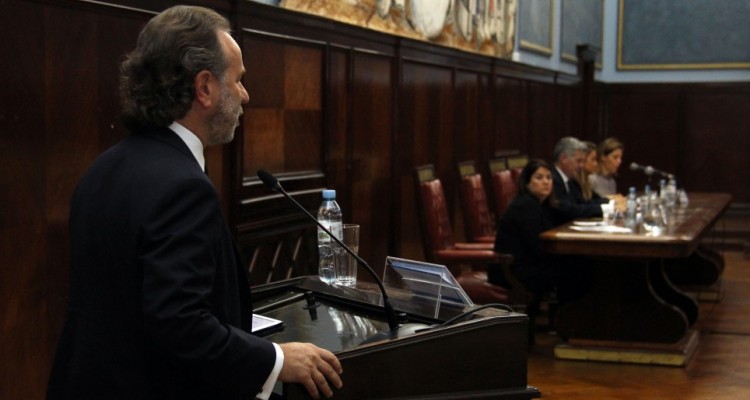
(571, 202)
(160, 303)
(518, 234)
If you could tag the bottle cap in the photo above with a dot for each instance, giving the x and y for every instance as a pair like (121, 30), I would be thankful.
(329, 194)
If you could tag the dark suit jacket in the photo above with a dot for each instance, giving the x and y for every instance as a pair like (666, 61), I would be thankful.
(160, 304)
(571, 202)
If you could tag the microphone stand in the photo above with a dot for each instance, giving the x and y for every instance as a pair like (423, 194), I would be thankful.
(390, 313)
(650, 172)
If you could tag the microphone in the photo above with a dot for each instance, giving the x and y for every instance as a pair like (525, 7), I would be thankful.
(395, 329)
(649, 170)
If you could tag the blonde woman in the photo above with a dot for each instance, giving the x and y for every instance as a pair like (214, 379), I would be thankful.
(590, 164)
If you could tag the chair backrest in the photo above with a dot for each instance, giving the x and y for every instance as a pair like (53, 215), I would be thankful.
(504, 189)
(478, 220)
(466, 168)
(516, 164)
(497, 164)
(437, 231)
(424, 173)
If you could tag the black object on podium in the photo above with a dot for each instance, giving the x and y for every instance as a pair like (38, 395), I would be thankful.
(481, 357)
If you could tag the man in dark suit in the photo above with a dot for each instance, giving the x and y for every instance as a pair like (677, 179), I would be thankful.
(160, 304)
(569, 154)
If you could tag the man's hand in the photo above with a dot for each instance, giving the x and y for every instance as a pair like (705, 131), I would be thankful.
(311, 366)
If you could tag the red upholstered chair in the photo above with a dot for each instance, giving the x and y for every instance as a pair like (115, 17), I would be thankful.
(516, 164)
(478, 220)
(503, 187)
(468, 262)
(498, 164)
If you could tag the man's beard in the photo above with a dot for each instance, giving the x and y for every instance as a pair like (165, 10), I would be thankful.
(226, 120)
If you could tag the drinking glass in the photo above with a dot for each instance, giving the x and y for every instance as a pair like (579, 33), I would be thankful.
(608, 213)
(345, 265)
(654, 217)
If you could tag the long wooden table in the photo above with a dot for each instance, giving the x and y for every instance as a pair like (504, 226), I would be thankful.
(632, 312)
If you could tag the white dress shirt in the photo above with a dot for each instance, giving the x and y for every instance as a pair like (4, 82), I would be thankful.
(564, 178)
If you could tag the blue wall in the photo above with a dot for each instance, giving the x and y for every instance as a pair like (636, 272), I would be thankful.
(649, 41)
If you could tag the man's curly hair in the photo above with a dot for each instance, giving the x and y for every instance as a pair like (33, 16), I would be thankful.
(157, 78)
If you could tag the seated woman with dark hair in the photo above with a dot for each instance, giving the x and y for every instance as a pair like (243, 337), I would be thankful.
(533, 211)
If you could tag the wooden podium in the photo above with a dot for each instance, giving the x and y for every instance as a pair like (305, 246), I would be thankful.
(481, 357)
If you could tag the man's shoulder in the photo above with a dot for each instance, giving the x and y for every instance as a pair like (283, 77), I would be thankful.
(556, 177)
(136, 152)
(145, 157)
(154, 135)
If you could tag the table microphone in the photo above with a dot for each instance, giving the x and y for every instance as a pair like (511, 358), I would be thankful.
(649, 170)
(395, 329)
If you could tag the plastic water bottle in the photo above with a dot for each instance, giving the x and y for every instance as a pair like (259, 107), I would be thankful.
(329, 215)
(671, 197)
(632, 208)
(662, 190)
(643, 203)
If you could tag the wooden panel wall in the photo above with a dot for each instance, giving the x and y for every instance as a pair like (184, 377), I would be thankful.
(331, 106)
(511, 110)
(389, 104)
(715, 139)
(699, 132)
(57, 112)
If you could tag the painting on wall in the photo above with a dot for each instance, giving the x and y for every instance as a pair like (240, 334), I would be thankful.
(535, 23)
(686, 34)
(480, 26)
(581, 23)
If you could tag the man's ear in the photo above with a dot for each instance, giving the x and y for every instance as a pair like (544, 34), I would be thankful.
(204, 88)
